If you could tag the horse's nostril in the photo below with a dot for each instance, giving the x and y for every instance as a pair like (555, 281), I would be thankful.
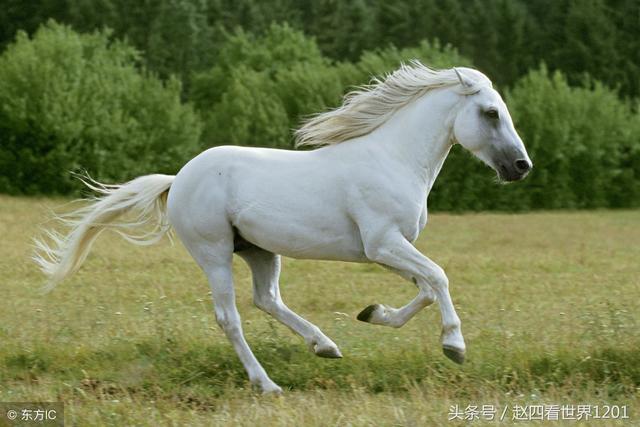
(522, 165)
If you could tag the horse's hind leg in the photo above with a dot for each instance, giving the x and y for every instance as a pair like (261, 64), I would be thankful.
(265, 268)
(215, 259)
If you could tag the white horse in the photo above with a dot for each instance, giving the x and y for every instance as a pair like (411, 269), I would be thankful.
(361, 198)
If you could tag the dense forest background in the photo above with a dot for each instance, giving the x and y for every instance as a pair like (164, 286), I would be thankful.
(124, 88)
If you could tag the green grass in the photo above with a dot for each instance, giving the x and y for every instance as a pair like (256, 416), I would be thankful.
(549, 302)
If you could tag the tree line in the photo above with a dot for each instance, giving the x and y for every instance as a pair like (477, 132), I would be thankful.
(504, 38)
(124, 88)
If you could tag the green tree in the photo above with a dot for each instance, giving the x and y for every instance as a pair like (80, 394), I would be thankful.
(174, 36)
(248, 113)
(70, 101)
(265, 83)
(583, 141)
(342, 28)
(271, 82)
(433, 54)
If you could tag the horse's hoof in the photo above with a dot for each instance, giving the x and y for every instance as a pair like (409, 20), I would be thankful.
(271, 390)
(328, 352)
(366, 314)
(454, 354)
(266, 387)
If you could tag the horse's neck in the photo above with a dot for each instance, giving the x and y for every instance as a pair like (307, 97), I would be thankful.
(419, 135)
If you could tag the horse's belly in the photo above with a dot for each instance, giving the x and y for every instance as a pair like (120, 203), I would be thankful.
(338, 249)
(297, 238)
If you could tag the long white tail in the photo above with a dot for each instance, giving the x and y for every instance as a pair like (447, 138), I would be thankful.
(146, 196)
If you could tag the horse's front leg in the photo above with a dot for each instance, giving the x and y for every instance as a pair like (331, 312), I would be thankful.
(394, 251)
(382, 314)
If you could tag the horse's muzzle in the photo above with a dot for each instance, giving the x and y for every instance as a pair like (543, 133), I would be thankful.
(515, 171)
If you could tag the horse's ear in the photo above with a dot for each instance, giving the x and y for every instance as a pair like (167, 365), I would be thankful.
(463, 81)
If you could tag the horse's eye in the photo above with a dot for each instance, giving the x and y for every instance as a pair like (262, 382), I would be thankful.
(492, 113)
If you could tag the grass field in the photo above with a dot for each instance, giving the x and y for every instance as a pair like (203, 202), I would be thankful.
(550, 305)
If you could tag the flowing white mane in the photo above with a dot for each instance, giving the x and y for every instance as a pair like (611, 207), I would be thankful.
(365, 109)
